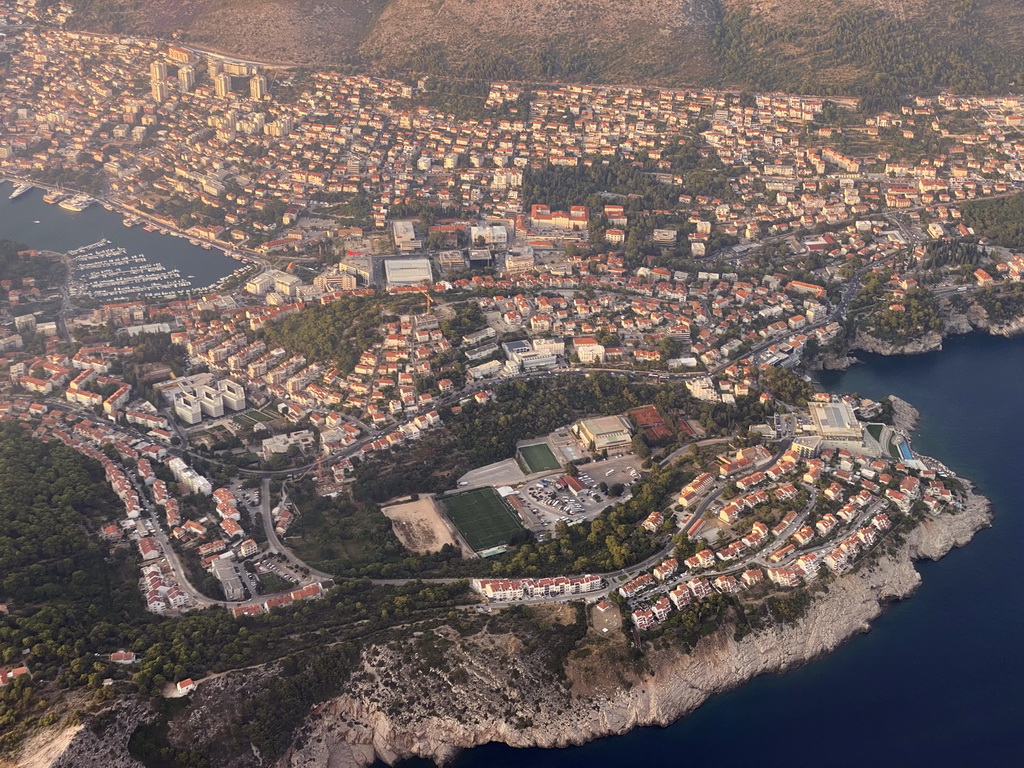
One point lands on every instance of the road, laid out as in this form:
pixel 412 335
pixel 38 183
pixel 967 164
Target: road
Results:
pixel 274 543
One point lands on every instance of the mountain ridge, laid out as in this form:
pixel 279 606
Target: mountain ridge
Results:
pixel 853 47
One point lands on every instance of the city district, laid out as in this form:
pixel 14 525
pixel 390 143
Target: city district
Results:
pixel 405 269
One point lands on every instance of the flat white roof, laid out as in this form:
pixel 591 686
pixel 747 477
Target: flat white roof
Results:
pixel 407 271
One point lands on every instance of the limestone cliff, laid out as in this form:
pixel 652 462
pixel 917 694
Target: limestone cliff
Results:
pixel 351 730
pixel 830 361
pixel 905 416
pixel 102 743
pixel 436 693
pixel 929 342
pixel 975 318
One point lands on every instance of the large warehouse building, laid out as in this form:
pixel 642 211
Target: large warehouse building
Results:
pixel 605 433
pixel 404 272
pixel 835 421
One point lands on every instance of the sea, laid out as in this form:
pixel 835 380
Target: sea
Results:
pixel 938 681
pixel 42 226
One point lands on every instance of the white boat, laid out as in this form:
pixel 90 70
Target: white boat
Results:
pixel 76 204
pixel 19 190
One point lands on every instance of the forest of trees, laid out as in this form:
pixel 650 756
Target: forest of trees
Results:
pixel 1001 220
pixel 786 386
pixel 940 254
pixel 71 601
pixel 337 333
pixel 919 315
pixel 47 272
pixel 869 52
pixel 560 188
pixel 50 500
pixel 1002 305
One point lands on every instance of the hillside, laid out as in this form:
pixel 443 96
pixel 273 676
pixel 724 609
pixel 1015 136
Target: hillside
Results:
pixel 839 46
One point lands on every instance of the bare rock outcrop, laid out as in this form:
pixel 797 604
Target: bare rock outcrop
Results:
pixel 348 732
pixel 103 743
pixel 934 538
pixel 905 416
pixel 929 342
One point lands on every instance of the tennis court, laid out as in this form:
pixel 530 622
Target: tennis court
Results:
pixel 483 518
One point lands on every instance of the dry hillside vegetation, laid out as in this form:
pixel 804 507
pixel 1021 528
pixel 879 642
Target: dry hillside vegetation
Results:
pixel 879 48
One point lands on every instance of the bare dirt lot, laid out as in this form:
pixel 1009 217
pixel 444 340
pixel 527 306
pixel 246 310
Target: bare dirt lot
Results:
pixel 419 526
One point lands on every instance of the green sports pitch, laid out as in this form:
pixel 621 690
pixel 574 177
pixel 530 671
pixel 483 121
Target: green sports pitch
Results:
pixel 482 517
pixel 538 458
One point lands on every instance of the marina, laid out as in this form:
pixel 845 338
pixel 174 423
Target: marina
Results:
pixel 132 261
pixel 103 271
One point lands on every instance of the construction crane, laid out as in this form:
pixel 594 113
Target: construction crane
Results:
pixel 426 291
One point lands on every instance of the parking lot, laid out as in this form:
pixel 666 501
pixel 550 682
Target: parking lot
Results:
pixel 549 500
pixel 282 569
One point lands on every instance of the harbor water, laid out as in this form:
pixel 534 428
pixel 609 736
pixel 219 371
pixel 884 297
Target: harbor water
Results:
pixel 42 226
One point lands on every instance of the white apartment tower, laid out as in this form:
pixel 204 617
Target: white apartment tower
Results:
pixel 187 78
pixel 158 71
pixel 222 85
pixel 258 87
pixel 159 90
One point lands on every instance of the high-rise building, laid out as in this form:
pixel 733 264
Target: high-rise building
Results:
pixel 158 71
pixel 159 90
pixel 186 78
pixel 280 127
pixel 222 85
pixel 258 87
pixel 180 55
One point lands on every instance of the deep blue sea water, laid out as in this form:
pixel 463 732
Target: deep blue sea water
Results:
pixel 61 230
pixel 939 680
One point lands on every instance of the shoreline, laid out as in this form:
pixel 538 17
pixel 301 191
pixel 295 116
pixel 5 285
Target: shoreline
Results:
pixel 383 724
pixel 246 259
pixel 358 731
pixel 348 732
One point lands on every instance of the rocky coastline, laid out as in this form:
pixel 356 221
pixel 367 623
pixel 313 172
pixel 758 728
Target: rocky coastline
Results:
pixel 500 696
pixel 955 322
pixel 504 700
pixel 348 733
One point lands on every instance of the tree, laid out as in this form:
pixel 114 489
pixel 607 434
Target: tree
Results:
pixel 640 447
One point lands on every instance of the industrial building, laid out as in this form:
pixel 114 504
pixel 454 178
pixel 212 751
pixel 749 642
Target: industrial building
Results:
pixel 406 272
pixel 604 433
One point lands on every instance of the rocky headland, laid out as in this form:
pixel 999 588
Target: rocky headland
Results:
pixel 956 320
pixel 491 688
pixel 348 732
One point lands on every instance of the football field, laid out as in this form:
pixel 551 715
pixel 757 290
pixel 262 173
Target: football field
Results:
pixel 482 516
pixel 538 458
